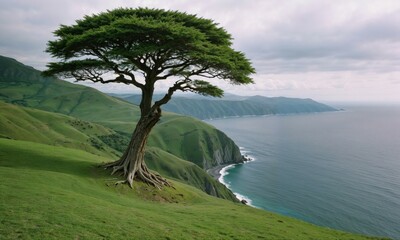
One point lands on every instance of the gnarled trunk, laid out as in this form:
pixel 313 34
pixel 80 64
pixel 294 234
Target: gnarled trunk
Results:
pixel 131 165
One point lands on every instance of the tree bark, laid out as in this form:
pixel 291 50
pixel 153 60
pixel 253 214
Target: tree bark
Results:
pixel 131 165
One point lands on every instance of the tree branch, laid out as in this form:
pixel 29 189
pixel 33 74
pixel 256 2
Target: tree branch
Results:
pixel 180 68
pixel 177 86
pixel 131 75
pixel 96 77
pixel 114 66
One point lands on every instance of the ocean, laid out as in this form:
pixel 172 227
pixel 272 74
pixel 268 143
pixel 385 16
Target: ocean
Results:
pixel 335 169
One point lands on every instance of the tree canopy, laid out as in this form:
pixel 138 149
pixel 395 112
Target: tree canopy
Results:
pixel 154 43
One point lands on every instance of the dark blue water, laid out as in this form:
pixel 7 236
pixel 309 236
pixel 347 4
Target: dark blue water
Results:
pixel 340 170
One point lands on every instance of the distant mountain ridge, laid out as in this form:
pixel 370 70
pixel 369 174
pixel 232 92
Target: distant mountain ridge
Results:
pixel 233 106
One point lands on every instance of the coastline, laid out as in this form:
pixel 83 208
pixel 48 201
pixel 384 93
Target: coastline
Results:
pixel 215 172
pixel 218 172
pixel 270 115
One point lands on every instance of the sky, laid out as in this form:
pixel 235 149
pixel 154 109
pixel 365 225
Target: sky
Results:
pixel 331 51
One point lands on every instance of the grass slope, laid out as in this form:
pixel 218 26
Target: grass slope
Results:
pixel 70 99
pixel 52 192
pixel 186 172
pixel 39 126
pixel 23 85
pixel 56 129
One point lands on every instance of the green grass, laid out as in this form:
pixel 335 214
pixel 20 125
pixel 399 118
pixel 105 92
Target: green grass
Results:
pixel 56 129
pixel 54 95
pixel 186 172
pixel 52 192
pixel 39 126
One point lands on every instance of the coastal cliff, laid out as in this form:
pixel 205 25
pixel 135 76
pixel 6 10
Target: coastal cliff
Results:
pixel 204 145
pixel 228 153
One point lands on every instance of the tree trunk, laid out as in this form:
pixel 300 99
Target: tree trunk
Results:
pixel 131 165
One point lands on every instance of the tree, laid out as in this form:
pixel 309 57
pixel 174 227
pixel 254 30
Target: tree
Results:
pixel 140 47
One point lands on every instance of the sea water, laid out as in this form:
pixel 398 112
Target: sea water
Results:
pixel 336 169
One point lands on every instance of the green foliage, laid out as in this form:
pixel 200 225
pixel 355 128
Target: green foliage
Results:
pixel 154 42
pixel 57 193
pixel 206 89
pixel 117 141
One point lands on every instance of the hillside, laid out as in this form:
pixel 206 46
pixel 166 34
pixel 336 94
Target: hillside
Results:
pixel 189 138
pixel 24 86
pixel 232 105
pixel 53 95
pixel 87 104
pixel 50 192
pixel 59 130
pixel 54 129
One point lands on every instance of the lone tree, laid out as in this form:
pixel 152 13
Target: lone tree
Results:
pixel 140 47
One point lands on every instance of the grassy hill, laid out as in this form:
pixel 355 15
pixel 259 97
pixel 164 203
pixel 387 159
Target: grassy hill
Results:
pixel 23 85
pixel 59 130
pixel 50 192
pixel 21 123
pixel 102 125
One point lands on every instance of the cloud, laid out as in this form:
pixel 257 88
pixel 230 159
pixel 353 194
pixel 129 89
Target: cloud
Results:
pixel 294 45
pixel 326 36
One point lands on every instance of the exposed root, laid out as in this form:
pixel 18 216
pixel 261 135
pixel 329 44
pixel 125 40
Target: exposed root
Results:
pixel 141 173
pixel 119 182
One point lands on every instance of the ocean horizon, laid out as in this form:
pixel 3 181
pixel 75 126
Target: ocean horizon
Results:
pixel 335 169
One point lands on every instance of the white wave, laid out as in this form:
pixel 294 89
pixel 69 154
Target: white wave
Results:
pixel 239 196
pixel 246 154
pixel 224 172
pixel 242 197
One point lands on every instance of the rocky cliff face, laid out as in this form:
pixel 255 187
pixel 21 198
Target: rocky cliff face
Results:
pixel 203 145
pixel 228 153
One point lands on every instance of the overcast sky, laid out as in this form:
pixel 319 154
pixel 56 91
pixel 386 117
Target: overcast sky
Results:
pixel 336 50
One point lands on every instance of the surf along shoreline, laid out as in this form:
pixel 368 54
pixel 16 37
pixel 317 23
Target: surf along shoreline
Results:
pixel 220 171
